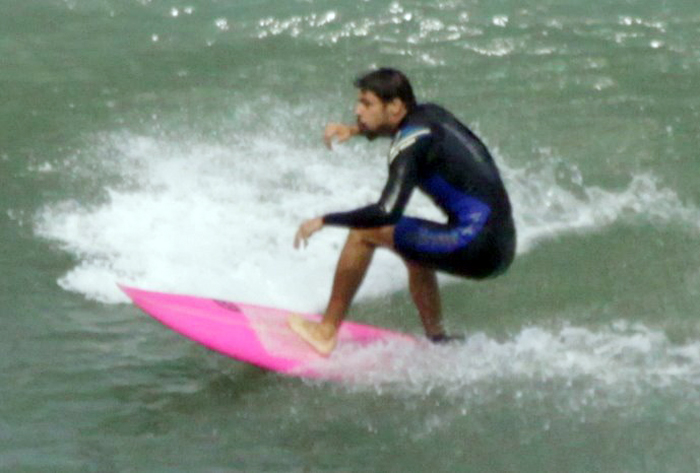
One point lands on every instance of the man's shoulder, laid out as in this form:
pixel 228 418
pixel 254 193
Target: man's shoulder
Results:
pixel 412 131
pixel 428 115
pixel 420 121
pixel 429 111
pixel 417 124
pixel 435 117
pixel 406 137
pixel 420 124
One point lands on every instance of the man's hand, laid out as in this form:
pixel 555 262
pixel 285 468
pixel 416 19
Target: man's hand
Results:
pixel 306 229
pixel 340 132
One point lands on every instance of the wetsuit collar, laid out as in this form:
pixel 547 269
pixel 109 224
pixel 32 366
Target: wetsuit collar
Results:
pixel 404 120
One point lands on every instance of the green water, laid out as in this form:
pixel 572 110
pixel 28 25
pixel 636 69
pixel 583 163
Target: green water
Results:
pixel 176 146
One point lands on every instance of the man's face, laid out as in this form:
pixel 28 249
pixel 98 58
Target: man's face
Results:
pixel 373 117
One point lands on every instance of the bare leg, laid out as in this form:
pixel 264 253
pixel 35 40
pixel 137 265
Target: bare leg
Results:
pixel 422 282
pixel 349 274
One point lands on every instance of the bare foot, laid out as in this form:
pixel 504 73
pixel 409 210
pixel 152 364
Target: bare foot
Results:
pixel 313 333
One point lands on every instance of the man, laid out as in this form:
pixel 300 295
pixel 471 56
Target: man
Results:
pixel 433 151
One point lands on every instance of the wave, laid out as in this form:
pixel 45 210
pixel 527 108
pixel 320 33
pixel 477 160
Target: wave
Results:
pixel 576 367
pixel 217 217
pixel 551 198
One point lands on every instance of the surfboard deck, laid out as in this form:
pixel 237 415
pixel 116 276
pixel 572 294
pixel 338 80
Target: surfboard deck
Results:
pixel 253 334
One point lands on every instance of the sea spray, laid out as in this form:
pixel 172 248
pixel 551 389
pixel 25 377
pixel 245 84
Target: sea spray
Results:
pixel 217 218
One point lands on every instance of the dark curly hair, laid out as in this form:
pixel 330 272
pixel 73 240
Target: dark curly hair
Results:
pixel 388 84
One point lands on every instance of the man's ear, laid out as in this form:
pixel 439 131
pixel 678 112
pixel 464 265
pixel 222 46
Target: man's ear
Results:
pixel 396 106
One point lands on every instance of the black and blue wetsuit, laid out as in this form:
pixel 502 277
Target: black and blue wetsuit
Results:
pixel 433 151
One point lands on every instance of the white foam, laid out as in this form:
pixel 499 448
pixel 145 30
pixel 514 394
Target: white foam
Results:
pixel 553 199
pixel 217 218
pixel 607 364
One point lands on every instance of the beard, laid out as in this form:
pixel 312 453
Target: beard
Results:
pixel 384 130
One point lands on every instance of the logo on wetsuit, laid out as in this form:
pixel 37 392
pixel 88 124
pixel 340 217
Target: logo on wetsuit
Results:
pixel 406 138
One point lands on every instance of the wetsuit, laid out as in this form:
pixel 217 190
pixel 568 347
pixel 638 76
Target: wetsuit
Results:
pixel 433 151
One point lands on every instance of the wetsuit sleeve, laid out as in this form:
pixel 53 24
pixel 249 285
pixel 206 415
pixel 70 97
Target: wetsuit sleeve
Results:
pixel 403 177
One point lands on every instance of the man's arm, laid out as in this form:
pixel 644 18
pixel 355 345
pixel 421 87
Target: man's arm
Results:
pixel 397 191
pixel 306 229
pixel 403 177
pixel 341 133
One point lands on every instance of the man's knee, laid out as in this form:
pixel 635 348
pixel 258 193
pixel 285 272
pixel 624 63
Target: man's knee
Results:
pixel 378 236
pixel 415 267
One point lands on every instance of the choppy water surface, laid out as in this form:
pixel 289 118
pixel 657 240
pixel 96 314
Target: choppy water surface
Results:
pixel 176 146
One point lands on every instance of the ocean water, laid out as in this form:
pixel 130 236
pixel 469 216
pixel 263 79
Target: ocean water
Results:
pixel 175 145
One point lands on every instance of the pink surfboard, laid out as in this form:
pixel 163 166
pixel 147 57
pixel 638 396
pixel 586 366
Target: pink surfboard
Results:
pixel 253 334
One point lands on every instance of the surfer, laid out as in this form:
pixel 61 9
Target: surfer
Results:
pixel 432 151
